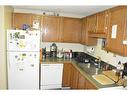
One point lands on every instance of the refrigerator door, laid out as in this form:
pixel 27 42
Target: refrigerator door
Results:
pixel 23 70
pixel 20 40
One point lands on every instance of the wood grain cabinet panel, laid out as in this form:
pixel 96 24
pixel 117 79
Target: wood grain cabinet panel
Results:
pixel 51 29
pixel 71 30
pixel 81 81
pixel 66 82
pixel 19 19
pixel 102 22
pixel 91 23
pixel 119 19
pixel 74 78
pixel 85 38
pixel 89 85
pixel 35 18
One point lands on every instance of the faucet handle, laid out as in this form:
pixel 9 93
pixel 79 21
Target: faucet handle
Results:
pixel 98 59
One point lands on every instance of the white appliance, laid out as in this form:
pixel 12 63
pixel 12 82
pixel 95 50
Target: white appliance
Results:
pixel 23 59
pixel 51 76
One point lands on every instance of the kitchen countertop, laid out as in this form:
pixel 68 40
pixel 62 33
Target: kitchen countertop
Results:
pixel 81 67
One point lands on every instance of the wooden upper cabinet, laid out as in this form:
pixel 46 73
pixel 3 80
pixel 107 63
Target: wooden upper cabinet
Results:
pixel 91 23
pixel 51 28
pixel 101 22
pixel 71 30
pixel 84 33
pixel 85 38
pixel 98 24
pixel 35 19
pixel 117 31
pixel 19 19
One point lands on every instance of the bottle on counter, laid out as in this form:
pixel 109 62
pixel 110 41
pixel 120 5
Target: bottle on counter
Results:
pixel 40 54
pixel 119 68
pixel 44 53
pixel 70 53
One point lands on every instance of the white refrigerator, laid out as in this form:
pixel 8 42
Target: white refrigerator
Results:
pixel 23 59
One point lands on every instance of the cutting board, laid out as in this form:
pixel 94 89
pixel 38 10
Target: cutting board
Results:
pixel 102 79
pixel 112 76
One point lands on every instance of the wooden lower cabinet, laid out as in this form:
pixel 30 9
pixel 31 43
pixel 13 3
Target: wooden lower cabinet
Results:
pixel 81 81
pixel 66 75
pixel 89 85
pixel 74 79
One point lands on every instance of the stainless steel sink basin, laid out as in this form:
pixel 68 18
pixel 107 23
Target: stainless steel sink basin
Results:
pixel 96 73
pixel 89 68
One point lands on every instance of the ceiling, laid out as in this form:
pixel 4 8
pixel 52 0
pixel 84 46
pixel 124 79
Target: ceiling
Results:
pixel 76 10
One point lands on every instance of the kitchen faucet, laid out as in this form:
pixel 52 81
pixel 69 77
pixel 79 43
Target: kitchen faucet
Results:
pixel 98 61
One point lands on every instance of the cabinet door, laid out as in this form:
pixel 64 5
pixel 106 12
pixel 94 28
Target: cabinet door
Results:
pixel 19 19
pixel 91 23
pixel 89 85
pixel 35 19
pixel 74 78
pixel 81 81
pixel 51 28
pixel 117 29
pixel 71 30
pixel 101 26
pixel 66 75
pixel 85 38
pixel 84 33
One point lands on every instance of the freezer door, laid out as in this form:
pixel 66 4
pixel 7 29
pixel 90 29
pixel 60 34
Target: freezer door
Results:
pixel 23 70
pixel 20 40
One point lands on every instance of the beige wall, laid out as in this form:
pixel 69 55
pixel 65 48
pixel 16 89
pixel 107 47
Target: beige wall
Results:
pixel 5 23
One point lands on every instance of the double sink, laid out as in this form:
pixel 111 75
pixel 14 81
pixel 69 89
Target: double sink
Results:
pixel 96 73
pixel 90 68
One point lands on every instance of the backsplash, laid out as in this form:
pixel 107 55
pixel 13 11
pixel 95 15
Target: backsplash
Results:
pixel 66 46
pixel 106 57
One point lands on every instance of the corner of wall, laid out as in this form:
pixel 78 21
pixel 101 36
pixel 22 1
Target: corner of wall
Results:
pixel 5 14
